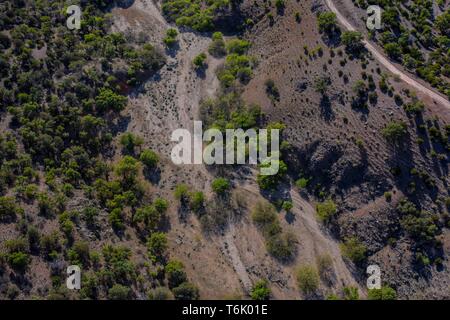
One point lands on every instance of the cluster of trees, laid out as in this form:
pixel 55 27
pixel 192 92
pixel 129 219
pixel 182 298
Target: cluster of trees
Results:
pixel 230 111
pixel 217 48
pixel 281 245
pixel 326 210
pixel 422 227
pixel 171 37
pixel 196 14
pixel 58 142
pixel 238 65
pixel 414 35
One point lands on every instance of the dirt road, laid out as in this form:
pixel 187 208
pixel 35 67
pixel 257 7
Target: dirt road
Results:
pixel 387 64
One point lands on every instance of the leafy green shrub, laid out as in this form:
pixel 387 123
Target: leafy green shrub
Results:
pixel 351 293
pixel 352 41
pixel 421 226
pixel 287 206
pixel 385 293
pixel 90 214
pixel 415 107
pixel 327 22
pixel 237 46
pixel 19 261
pixel 50 244
pixel 159 293
pixel 280 245
pixel 149 158
pixel 119 292
pixel 182 192
pixel 280 5
pixel 221 186
pixel 186 291
pixel 324 265
pixel 197 201
pixel 326 210
pixel 302 183
pixel 395 132
pixel 79 254
pixel 130 141
pixel 161 205
pixel 196 14
pixel 116 218
pixel 8 209
pixel 175 273
pixel 89 286
pixel 127 169
pixel 171 37
pixel 271 89
pixel 353 249
pixel 107 100
pixel 269 182
pixel 200 61
pixel 388 196
pixel 307 279
pixel 260 291
pixel 118 264
pixel 264 215
pixel 217 48
pixel 157 244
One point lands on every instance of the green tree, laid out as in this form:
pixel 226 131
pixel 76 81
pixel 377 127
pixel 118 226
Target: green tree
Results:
pixel 149 158
pixel 8 208
pixel 119 292
pixel 385 293
pixel 261 290
pixel 326 210
pixel 352 41
pixel 307 279
pixel 217 47
pixel 130 141
pixel 157 244
pixel 395 132
pixel 175 273
pixel 351 293
pixel 127 169
pixel 200 61
pixel 221 186
pixel 171 37
pixel 327 22
pixel 353 249
pixel 186 291
pixel 108 100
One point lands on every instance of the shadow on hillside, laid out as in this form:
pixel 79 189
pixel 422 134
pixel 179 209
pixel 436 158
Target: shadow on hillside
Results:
pixel 325 108
pixel 124 4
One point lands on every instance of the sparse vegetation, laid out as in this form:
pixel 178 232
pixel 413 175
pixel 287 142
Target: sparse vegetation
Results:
pixel 307 279
pixel 326 210
pixel 395 132
pixel 171 38
pixel 221 186
pixel 200 61
pixel 354 250
pixel 280 244
pixel 260 291
pixel 385 293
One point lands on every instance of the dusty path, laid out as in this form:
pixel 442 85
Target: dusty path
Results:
pixel 387 64
pixel 314 241
pixel 235 258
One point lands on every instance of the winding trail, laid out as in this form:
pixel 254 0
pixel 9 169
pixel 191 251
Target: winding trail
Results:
pixel 316 241
pixel 387 64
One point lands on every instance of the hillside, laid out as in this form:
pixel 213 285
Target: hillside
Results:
pixel 85 150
